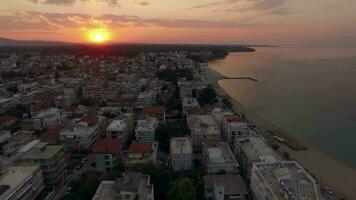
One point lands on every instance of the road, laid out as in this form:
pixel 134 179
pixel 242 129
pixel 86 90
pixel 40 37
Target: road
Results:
pixel 75 175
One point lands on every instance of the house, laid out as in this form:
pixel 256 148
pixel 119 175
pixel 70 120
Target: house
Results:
pixel 145 128
pixel 134 185
pixel 225 187
pixel 106 151
pixel 181 153
pixel 157 112
pixel 52 160
pixel 81 134
pixel 21 182
pixel 282 180
pixel 202 127
pixel 219 158
pixel 142 152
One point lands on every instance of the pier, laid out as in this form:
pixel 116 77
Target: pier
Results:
pixel 239 78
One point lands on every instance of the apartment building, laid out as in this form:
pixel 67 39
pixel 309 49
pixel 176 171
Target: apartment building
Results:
pixel 181 153
pixel 21 182
pixel 145 128
pixel 107 152
pixel 142 152
pixel 51 159
pixel 132 186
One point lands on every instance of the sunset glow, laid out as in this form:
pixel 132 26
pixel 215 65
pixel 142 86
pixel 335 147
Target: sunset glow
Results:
pixel 99 36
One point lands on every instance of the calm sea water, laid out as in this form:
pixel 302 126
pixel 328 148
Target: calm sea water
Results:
pixel 310 92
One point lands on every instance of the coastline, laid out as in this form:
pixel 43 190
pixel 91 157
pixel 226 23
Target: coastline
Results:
pixel 327 170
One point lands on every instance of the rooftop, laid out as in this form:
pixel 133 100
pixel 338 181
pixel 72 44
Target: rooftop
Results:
pixel 220 153
pixel 116 125
pixel 42 151
pixel 107 146
pixel 141 147
pixel 181 145
pixel 14 177
pixel 256 149
pixel 288 178
pixel 232 183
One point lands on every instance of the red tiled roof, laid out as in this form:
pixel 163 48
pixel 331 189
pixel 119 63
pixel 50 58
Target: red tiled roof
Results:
pixel 153 110
pixel 52 135
pixel 90 119
pixel 140 147
pixel 4 119
pixel 235 118
pixel 107 146
pixel 195 111
pixel 212 142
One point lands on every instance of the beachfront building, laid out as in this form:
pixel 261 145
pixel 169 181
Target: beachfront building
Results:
pixel 132 186
pixel 282 180
pixel 145 128
pixel 21 182
pixel 219 158
pixel 142 153
pixel 181 152
pixel 252 149
pixel 185 88
pixel 51 159
pixel 107 152
pixel 202 127
pixel 81 134
pixel 233 126
pixel 225 187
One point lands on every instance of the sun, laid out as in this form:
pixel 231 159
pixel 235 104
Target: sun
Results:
pixel 99 36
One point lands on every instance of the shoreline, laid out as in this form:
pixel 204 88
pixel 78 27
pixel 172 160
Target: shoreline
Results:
pixel 327 170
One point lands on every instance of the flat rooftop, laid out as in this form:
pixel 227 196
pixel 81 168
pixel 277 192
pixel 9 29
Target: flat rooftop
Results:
pixel 181 145
pixel 221 153
pixel 256 149
pixel 14 177
pixel 288 178
pixel 42 152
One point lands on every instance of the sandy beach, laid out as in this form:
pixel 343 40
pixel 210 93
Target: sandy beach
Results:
pixel 328 171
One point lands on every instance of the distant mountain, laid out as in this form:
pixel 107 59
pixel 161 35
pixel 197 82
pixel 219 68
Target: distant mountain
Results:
pixel 4 42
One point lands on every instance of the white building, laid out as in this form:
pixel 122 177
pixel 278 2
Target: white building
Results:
pixel 48 118
pixel 133 185
pixel 202 127
pixel 119 128
pixel 21 182
pixel 225 187
pixel 185 88
pixel 80 135
pixel 282 180
pixel 252 149
pixel 145 129
pixel 181 152
pixel 219 158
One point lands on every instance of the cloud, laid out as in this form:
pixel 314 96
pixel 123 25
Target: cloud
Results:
pixel 22 20
pixel 145 3
pixel 263 5
pixel 218 3
pixel 69 2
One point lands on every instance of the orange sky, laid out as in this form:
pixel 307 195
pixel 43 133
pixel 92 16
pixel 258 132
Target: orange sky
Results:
pixel 184 21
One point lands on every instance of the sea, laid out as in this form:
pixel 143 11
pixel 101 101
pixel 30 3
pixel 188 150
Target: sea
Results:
pixel 308 91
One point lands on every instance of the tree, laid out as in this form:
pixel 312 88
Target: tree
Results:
pixel 12 89
pixel 208 96
pixel 182 189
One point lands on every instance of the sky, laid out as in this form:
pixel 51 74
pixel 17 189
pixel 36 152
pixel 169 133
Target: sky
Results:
pixel 278 22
